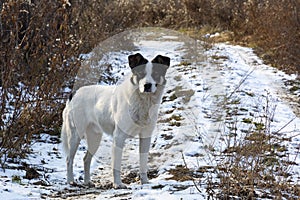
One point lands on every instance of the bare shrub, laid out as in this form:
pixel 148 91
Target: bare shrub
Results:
pixel 272 27
pixel 276 29
pixel 38 61
pixel 256 163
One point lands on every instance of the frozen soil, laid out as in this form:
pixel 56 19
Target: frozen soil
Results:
pixel 209 87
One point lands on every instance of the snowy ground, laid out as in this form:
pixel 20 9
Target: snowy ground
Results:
pixel 192 120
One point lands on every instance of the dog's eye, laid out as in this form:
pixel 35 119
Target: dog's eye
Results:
pixel 140 74
pixel 156 75
pixel 136 72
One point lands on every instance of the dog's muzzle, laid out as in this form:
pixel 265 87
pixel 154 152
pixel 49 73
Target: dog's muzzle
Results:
pixel 147 87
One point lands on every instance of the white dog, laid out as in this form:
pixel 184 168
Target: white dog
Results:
pixel 125 110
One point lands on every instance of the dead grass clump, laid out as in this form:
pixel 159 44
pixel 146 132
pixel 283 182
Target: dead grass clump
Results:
pixel 182 173
pixel 256 162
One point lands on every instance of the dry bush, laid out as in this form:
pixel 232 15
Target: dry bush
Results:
pixel 38 61
pixel 278 33
pixel 256 166
pixel 254 161
pixel 272 27
pixel 98 20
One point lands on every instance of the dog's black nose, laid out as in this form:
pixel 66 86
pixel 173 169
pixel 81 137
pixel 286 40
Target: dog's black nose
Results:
pixel 147 87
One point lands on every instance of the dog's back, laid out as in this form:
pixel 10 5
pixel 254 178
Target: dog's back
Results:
pixel 83 110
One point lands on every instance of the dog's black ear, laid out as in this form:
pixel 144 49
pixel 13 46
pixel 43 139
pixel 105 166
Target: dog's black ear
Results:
pixel 162 60
pixel 136 60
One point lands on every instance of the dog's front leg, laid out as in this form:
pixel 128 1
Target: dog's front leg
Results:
pixel 144 151
pixel 119 141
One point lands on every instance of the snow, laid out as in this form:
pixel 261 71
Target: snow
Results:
pixel 190 120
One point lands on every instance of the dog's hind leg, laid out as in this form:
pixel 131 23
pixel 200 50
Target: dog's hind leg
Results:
pixel 93 138
pixel 73 142
pixel 144 151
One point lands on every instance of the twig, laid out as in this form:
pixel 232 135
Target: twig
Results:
pixel 184 162
pixel 224 103
pixel 285 125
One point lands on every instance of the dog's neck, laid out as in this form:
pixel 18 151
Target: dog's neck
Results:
pixel 143 108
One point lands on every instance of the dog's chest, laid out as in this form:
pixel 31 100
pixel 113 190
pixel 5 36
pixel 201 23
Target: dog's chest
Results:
pixel 143 111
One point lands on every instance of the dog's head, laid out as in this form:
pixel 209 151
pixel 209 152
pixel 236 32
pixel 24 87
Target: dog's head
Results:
pixel 148 75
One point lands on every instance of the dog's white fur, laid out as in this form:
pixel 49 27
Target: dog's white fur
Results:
pixel 122 111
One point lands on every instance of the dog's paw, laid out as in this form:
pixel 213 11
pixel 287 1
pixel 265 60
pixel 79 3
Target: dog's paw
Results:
pixel 90 184
pixel 74 184
pixel 145 182
pixel 120 186
pixel 144 178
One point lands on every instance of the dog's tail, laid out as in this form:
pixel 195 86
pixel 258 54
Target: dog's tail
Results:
pixel 66 127
pixel 64 132
pixel 64 138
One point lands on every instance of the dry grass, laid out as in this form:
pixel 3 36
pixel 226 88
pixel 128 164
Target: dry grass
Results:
pixel 255 161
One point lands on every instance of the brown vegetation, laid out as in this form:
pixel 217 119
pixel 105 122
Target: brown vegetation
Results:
pixel 38 47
